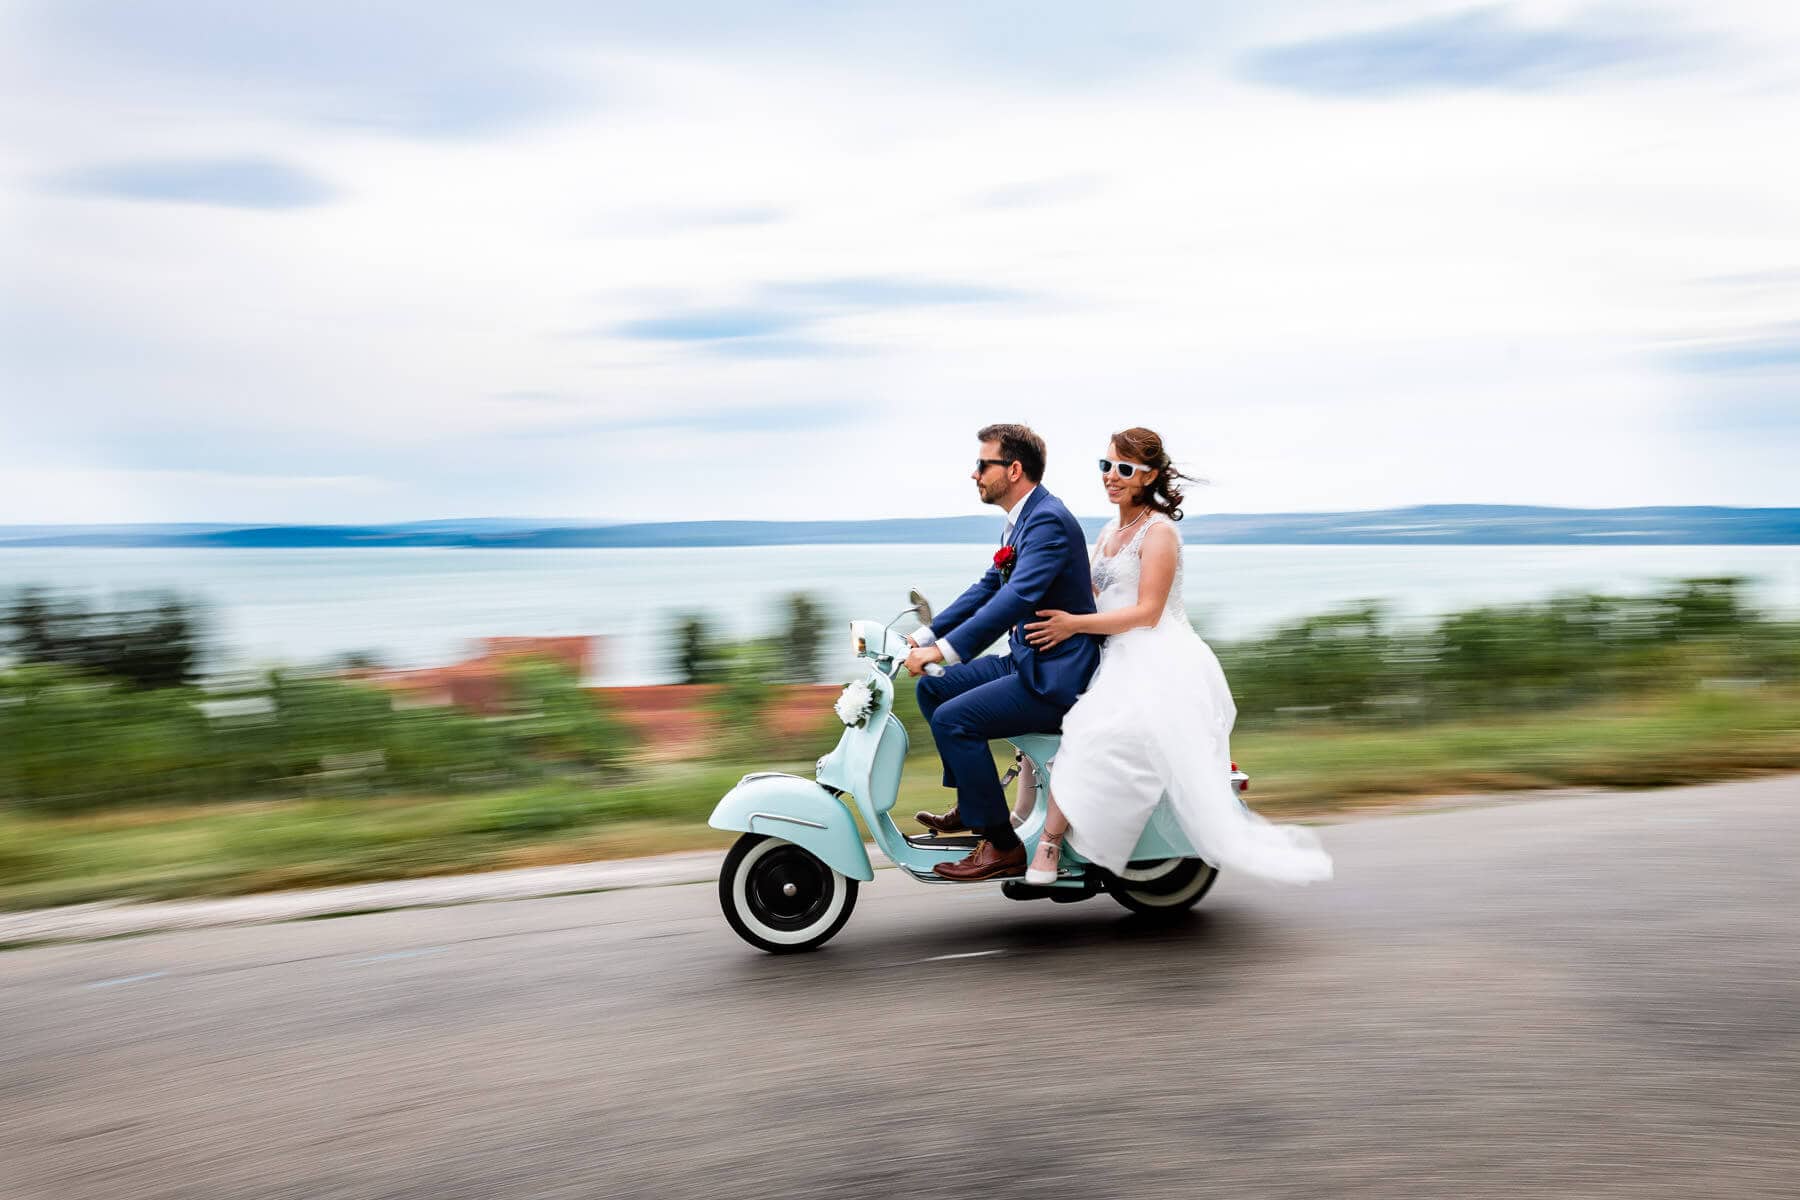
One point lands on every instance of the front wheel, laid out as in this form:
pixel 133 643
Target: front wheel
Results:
pixel 1163 887
pixel 782 898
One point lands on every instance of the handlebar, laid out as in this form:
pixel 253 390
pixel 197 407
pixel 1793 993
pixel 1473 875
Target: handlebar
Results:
pixel 889 648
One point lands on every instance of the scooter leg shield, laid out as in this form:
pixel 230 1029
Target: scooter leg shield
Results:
pixel 797 810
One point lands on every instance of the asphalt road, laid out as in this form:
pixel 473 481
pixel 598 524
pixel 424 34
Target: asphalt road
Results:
pixel 1586 997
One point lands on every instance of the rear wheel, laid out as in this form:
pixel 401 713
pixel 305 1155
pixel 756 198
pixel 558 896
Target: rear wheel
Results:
pixel 782 898
pixel 1162 887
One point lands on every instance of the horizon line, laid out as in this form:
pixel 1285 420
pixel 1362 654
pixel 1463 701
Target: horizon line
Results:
pixel 614 523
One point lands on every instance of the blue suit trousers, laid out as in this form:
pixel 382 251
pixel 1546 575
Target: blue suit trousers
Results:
pixel 968 706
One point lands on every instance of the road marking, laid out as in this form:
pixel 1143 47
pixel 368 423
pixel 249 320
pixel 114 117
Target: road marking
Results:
pixel 100 983
pixel 399 954
pixel 968 954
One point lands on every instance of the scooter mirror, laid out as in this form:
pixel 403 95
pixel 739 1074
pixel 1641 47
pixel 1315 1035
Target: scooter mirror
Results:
pixel 921 605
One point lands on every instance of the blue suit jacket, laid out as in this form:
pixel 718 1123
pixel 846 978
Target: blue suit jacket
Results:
pixel 1050 571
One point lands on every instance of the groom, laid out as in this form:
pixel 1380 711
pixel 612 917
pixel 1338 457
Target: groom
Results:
pixel 1042 563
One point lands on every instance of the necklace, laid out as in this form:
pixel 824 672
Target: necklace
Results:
pixel 1121 529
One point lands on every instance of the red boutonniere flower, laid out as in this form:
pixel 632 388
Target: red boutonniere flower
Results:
pixel 1004 558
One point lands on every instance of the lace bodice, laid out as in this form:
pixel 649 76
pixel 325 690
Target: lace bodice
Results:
pixel 1116 577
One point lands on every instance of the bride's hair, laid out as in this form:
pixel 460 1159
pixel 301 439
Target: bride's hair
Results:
pixel 1146 446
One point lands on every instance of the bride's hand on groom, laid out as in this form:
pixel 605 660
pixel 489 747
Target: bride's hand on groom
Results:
pixel 1055 627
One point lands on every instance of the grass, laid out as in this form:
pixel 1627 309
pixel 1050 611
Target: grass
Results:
pixel 1301 770
pixel 221 850
pixel 1663 741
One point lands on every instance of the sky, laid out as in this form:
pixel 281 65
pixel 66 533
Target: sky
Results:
pixel 345 261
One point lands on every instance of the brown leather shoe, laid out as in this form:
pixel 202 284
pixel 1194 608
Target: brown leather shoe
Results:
pixel 984 862
pixel 950 822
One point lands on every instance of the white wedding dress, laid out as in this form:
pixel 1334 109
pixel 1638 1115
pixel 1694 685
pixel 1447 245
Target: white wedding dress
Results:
pixel 1156 718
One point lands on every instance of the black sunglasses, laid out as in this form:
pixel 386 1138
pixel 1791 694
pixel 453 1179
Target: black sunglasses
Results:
pixel 1126 469
pixel 982 464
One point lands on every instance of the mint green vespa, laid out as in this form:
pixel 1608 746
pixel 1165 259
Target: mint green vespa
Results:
pixel 789 883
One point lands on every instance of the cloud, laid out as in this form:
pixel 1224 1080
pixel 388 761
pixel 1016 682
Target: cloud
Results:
pixel 458 68
pixel 1769 416
pixel 770 418
pixel 1295 292
pixel 1776 352
pixel 257 183
pixel 666 220
pixel 1771 278
pixel 712 325
pixel 1740 390
pixel 533 396
pixel 1482 48
pixel 423 69
pixel 777 347
pixel 255 482
pixel 779 327
pixel 779 417
pixel 1041 193
pixel 876 292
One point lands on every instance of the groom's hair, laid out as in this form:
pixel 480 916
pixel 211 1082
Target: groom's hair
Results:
pixel 1017 444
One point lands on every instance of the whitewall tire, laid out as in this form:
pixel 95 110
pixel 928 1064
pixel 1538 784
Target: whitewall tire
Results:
pixel 781 897
pixel 1162 888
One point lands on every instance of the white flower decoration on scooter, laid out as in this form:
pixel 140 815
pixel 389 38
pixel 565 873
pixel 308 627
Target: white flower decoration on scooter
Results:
pixel 856 704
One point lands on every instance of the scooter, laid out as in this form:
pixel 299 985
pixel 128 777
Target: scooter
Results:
pixel 790 882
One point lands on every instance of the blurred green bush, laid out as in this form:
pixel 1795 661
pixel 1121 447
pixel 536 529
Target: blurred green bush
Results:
pixel 154 645
pixel 1361 665
pixel 75 736
pixel 73 740
pixel 694 650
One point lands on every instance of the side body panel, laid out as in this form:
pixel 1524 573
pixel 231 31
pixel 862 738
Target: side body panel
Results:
pixel 884 771
pixel 796 810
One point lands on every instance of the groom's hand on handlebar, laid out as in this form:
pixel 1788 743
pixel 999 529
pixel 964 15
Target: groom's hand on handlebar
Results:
pixel 921 657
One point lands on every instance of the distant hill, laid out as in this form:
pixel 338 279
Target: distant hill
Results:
pixel 1427 525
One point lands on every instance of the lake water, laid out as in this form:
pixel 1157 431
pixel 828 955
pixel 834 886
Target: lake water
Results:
pixel 420 606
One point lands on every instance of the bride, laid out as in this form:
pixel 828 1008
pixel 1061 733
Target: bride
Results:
pixel 1157 715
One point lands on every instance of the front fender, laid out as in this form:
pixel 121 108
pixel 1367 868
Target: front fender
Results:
pixel 796 810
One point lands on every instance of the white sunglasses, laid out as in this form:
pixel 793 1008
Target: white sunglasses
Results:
pixel 1126 469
